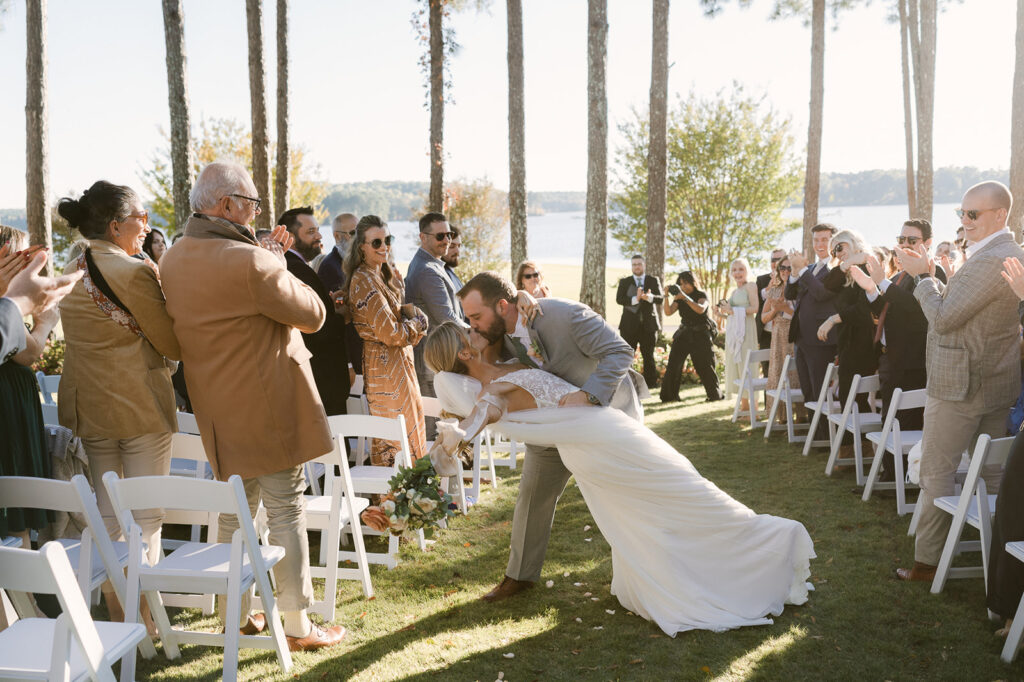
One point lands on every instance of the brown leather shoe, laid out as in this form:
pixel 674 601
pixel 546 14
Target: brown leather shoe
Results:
pixel 508 587
pixel 256 624
pixel 318 638
pixel 919 573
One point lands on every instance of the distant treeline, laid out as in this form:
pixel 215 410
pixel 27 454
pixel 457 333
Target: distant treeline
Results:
pixel 396 200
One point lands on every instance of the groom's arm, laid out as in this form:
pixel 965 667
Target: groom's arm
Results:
pixel 597 339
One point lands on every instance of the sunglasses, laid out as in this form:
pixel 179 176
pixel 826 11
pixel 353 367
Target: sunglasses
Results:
pixel 971 214
pixel 441 236
pixel 785 268
pixel 838 249
pixel 144 217
pixel 907 240
pixel 534 275
pixel 376 243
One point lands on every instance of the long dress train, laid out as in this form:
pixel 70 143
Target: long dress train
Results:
pixel 684 554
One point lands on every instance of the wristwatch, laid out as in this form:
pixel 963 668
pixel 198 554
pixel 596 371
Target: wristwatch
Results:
pixel 918 278
pixel 592 399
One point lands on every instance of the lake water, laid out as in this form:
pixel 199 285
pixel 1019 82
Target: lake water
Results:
pixel 559 237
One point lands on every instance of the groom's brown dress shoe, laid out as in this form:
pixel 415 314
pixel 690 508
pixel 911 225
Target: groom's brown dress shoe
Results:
pixel 506 589
pixel 318 638
pixel 919 573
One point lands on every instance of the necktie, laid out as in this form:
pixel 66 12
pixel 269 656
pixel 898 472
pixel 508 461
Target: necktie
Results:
pixel 521 352
pixel 818 266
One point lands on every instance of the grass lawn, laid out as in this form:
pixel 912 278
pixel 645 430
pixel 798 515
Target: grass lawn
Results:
pixel 861 623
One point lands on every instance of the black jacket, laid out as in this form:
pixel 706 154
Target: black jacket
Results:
pixel 643 316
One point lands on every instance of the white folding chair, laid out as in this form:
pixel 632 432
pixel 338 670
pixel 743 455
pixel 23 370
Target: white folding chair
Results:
pixel 785 394
pixel 495 443
pixel 432 408
pixel 1013 639
pixel 360 449
pixel 332 513
pixel 826 404
pixel 72 647
pixel 94 557
pixel 851 420
pixel 368 479
pixel 974 506
pixel 356 389
pixel 48 385
pixel 50 414
pixel 750 383
pixel 894 441
pixel 231 568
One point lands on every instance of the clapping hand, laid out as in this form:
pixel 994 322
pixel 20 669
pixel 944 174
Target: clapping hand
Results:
pixel 527 306
pixel 647 295
pixel 915 261
pixel 11 263
pixel 875 269
pixel 1013 273
pixel 279 241
pixel 798 261
pixel 864 280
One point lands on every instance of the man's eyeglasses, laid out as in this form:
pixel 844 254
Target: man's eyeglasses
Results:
pixel 901 240
pixel 256 201
pixel 441 236
pixel 972 214
pixel 532 275
pixel 376 243
pixel 351 233
pixel 144 217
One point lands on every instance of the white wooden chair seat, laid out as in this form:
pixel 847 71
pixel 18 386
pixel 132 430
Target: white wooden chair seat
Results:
pixel 795 393
pixel 948 505
pixel 749 384
pixel 213 560
pixel 372 479
pixel 25 652
pixel 785 395
pixel 321 505
pixel 833 405
pixel 73 548
pixel 907 440
pixel 851 420
pixel 861 420
pixel 826 403
pixel 758 384
pixel 1010 649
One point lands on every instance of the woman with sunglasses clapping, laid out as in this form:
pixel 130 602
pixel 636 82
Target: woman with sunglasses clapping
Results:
pixel 389 330
pixel 530 279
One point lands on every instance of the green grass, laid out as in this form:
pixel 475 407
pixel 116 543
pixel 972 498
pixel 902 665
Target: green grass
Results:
pixel 427 621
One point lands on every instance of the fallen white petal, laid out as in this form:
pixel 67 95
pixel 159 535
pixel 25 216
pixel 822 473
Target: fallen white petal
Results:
pixel 509 655
pixel 566 574
pixel 595 599
pixel 587 594
pixel 579 620
pixel 586 527
pixel 587 539
pixel 550 583
pixel 610 612
pixel 599 627
pixel 577 584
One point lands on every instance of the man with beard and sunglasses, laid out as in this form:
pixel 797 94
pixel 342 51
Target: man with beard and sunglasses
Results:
pixel 973 359
pixel 330 360
pixel 428 287
pixel 573 342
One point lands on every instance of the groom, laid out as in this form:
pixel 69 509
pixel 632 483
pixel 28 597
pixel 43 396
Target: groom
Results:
pixel 571 341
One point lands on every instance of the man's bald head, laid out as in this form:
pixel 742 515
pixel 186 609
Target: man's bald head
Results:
pixel 996 194
pixel 984 210
pixel 344 224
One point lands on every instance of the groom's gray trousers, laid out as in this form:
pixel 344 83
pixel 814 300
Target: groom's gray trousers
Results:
pixel 542 482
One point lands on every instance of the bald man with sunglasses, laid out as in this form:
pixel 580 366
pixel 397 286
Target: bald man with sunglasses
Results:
pixel 973 358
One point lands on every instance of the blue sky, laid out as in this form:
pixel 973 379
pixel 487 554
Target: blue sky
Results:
pixel 357 92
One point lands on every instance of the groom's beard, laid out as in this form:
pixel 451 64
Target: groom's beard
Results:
pixel 495 331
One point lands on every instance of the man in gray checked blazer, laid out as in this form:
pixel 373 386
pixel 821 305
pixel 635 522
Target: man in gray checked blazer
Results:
pixel 428 287
pixel 973 359
pixel 571 341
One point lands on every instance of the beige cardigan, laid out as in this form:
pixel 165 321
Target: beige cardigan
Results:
pixel 115 383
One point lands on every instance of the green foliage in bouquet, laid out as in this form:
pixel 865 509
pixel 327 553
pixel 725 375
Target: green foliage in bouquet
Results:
pixel 416 500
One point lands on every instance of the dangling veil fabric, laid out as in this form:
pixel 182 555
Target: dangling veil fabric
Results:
pixel 684 554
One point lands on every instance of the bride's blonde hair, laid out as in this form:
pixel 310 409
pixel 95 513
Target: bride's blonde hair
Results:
pixel 441 348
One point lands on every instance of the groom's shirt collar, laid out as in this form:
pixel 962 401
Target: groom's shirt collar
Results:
pixel 523 334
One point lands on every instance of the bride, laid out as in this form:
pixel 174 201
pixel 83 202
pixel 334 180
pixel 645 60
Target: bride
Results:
pixel 684 554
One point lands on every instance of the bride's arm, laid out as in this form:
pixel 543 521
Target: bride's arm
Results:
pixel 491 405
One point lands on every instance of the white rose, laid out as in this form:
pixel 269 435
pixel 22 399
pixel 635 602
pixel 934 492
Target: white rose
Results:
pixel 388 507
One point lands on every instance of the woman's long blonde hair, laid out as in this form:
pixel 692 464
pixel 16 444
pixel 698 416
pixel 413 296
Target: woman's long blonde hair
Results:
pixel 855 241
pixel 441 348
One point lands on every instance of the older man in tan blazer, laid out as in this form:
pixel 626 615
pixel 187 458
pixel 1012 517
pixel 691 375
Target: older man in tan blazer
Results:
pixel 237 313
pixel 973 359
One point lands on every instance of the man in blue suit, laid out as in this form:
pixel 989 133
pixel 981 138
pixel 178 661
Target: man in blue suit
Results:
pixel 428 287
pixel 814 305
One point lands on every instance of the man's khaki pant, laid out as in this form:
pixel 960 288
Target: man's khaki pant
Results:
pixel 148 455
pixel 281 493
pixel 950 427
pixel 542 482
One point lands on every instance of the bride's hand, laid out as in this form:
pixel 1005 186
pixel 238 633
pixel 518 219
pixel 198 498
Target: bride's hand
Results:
pixel 528 306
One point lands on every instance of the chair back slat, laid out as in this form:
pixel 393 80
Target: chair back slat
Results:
pixel 187 423
pixel 38 493
pixel 368 426
pixel 171 492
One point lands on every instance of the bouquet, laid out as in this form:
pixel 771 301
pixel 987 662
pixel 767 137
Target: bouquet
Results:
pixel 415 502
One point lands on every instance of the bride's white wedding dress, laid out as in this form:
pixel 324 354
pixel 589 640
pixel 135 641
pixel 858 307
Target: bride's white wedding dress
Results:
pixel 684 554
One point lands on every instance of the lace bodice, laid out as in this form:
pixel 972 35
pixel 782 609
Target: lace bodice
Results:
pixel 545 387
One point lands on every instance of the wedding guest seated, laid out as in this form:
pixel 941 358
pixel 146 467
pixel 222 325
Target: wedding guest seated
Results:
pixel 115 393
pixel 389 330
pixel 238 314
pixel 23 450
pixel 778 314
pixel 530 279
pixel 693 338
pixel 738 311
pixel 155 245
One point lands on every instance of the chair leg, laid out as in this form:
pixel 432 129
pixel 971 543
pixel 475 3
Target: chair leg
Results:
pixel 392 551
pixel 815 418
pixel 876 468
pixel 1009 654
pixel 233 611
pixel 949 550
pixel 273 617
pixel 771 415
pixel 914 518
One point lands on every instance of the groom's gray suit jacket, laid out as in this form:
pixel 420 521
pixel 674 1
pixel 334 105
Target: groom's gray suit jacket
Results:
pixel 579 346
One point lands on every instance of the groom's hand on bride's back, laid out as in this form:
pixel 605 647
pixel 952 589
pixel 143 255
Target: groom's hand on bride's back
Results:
pixel 575 399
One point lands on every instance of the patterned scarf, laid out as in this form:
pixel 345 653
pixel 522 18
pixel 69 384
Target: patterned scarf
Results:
pixel 104 297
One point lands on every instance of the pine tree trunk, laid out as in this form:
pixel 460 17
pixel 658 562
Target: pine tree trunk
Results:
pixel 908 113
pixel 516 135
pixel 436 16
pixel 282 189
pixel 812 179
pixel 595 248
pixel 926 108
pixel 37 170
pixel 657 155
pixel 1017 131
pixel 177 100
pixel 258 103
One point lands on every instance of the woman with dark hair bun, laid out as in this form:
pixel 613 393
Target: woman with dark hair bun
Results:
pixel 155 246
pixel 116 390
pixel 693 338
